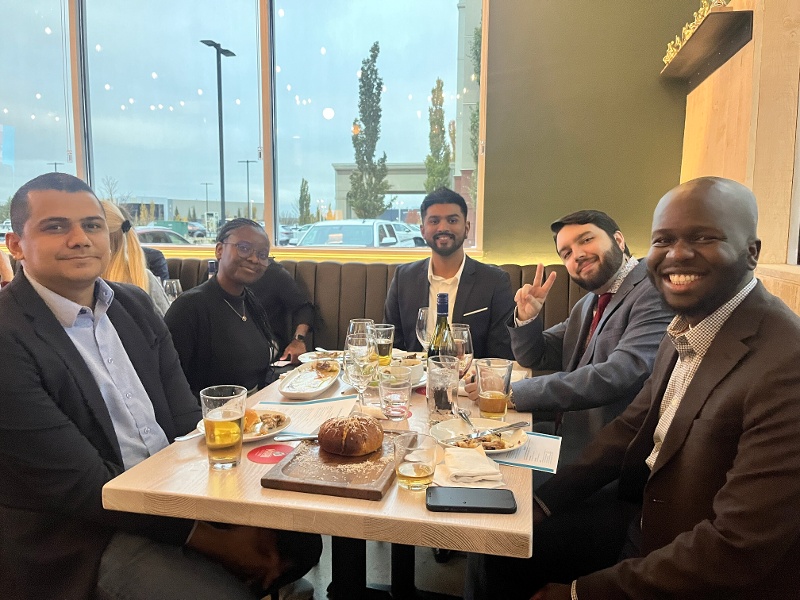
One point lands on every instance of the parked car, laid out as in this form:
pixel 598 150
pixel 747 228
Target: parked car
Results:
pixel 5 227
pixel 160 235
pixel 285 234
pixel 297 233
pixel 197 230
pixel 365 233
pixel 409 232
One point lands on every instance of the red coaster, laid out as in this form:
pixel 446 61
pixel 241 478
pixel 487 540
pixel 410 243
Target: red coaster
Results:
pixel 269 454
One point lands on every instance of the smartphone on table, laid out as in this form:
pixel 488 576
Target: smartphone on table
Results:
pixel 477 500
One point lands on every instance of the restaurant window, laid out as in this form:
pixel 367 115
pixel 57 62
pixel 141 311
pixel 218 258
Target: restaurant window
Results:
pixel 36 129
pixel 153 91
pixel 355 82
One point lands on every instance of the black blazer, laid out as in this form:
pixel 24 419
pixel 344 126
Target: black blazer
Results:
pixel 58 447
pixel 480 287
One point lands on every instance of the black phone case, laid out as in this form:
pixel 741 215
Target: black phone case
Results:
pixel 477 500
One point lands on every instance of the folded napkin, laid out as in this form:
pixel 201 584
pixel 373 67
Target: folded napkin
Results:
pixel 372 411
pixel 468 467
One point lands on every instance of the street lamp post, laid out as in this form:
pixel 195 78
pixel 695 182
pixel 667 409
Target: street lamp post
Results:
pixel 247 164
pixel 220 53
pixel 206 215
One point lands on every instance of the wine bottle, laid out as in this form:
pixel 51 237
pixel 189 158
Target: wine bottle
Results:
pixel 442 343
pixel 212 268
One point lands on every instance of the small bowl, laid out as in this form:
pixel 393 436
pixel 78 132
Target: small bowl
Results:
pixel 416 365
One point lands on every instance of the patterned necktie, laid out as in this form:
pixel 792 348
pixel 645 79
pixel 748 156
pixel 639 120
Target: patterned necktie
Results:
pixel 602 302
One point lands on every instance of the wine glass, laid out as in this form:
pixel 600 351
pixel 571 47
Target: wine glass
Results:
pixel 423 333
pixel 172 288
pixel 361 361
pixel 359 325
pixel 462 337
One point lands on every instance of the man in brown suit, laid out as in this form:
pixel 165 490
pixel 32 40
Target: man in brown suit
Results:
pixel 707 456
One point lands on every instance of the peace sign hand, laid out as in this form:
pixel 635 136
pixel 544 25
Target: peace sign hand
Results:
pixel 531 296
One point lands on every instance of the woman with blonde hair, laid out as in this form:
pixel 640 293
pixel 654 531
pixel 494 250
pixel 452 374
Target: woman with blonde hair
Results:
pixel 127 264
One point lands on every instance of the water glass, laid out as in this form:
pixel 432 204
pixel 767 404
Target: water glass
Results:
pixel 395 390
pixel 223 419
pixel 462 337
pixel 493 376
pixel 361 360
pixel 359 325
pixel 173 289
pixel 383 334
pixel 415 460
pixel 442 388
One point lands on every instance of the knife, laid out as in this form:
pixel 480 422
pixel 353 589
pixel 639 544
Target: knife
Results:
pixel 294 437
pixel 477 434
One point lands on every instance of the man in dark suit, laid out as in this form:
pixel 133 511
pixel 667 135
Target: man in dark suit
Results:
pixel 91 386
pixel 480 295
pixel 603 353
pixel 707 456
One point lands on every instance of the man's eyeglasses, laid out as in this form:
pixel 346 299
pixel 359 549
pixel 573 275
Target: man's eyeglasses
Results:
pixel 246 250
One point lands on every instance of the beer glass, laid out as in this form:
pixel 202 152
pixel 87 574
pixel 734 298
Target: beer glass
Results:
pixel 223 419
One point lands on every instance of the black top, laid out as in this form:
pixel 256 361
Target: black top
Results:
pixel 215 345
pixel 286 304
pixel 156 262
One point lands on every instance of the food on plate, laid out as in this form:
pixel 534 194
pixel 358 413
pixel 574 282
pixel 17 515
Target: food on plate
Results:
pixel 313 376
pixel 489 442
pixel 262 424
pixel 355 435
pixel 325 368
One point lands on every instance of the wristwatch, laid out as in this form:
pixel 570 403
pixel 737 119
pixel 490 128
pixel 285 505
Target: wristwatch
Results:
pixel 300 338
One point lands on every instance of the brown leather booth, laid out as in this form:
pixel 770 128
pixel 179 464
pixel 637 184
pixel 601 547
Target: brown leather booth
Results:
pixel 344 291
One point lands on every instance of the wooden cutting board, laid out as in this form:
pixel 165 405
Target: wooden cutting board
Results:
pixel 310 469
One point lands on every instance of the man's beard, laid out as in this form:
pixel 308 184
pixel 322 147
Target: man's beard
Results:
pixel 610 263
pixel 448 251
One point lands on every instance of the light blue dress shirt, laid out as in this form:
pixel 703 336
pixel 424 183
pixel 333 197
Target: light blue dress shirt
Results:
pixel 138 433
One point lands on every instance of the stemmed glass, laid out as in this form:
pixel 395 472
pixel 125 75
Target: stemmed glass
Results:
pixel 361 361
pixel 172 288
pixel 423 333
pixel 462 337
pixel 359 325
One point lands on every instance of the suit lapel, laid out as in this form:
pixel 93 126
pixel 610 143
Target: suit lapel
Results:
pixel 52 334
pixel 465 285
pixel 725 352
pixel 575 336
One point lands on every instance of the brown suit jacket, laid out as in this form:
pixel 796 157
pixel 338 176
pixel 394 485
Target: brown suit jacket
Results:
pixel 721 508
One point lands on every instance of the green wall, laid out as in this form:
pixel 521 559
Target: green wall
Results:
pixel 578 117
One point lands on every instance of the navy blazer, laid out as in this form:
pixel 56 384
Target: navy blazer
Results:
pixel 58 447
pixel 719 510
pixel 480 287
pixel 591 387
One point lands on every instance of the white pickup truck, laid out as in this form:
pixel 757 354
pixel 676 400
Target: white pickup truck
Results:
pixel 5 227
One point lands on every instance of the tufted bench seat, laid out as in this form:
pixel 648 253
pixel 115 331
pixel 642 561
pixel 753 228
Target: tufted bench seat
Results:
pixel 344 291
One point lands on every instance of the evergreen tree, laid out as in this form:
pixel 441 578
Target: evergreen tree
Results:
pixel 368 185
pixel 177 216
pixel 474 117
pixel 304 204
pixel 437 163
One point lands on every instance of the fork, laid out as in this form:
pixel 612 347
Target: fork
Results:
pixel 465 416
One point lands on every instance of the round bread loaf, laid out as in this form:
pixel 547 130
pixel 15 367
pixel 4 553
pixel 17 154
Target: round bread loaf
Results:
pixel 355 435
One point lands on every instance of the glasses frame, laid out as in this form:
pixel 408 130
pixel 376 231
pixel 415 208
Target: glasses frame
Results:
pixel 246 250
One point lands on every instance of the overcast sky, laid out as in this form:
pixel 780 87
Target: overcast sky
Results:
pixel 153 89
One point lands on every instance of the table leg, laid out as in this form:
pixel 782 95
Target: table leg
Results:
pixel 403 572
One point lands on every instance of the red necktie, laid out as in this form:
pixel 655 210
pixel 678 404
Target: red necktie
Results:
pixel 602 302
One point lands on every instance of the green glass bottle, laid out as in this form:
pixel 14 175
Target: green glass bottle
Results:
pixel 442 343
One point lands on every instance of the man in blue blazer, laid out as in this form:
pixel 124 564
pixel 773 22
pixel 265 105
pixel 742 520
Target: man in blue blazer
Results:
pixel 91 386
pixel 480 295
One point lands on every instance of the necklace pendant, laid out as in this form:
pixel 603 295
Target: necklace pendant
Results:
pixel 244 317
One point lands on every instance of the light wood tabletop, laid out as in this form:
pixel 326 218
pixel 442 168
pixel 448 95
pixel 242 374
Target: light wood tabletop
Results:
pixel 177 482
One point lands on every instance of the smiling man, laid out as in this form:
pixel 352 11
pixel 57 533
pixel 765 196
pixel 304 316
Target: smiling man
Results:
pixel 92 386
pixel 604 351
pixel 707 456
pixel 480 295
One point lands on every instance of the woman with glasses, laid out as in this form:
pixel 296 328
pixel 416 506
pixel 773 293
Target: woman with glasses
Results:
pixel 219 328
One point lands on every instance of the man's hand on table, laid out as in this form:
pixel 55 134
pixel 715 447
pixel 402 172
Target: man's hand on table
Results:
pixel 249 552
pixel 293 351
pixel 553 591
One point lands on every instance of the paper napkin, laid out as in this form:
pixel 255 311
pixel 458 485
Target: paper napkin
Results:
pixel 468 467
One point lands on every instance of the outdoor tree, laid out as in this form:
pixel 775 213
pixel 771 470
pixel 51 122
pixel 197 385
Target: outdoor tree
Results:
pixel 451 130
pixel 474 117
pixel 109 187
pixel 368 184
pixel 437 163
pixel 177 215
pixel 304 203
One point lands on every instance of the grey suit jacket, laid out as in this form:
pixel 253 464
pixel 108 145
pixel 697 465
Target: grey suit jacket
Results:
pixel 720 514
pixel 58 447
pixel 480 287
pixel 594 386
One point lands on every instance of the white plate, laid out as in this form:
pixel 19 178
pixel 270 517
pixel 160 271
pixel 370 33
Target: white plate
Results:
pixel 254 437
pixel 305 381
pixel 414 384
pixel 445 430
pixel 307 357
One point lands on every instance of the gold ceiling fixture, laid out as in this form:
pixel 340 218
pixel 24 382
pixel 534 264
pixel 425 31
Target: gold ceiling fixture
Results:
pixel 688 29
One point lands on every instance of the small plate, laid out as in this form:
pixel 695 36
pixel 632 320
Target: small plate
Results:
pixel 450 429
pixel 307 381
pixel 414 384
pixel 308 357
pixel 254 437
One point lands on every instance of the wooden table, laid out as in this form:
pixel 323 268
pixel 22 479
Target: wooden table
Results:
pixel 177 482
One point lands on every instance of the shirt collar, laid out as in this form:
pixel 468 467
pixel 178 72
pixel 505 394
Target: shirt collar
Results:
pixel 623 272
pixel 456 277
pixel 699 337
pixel 67 311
